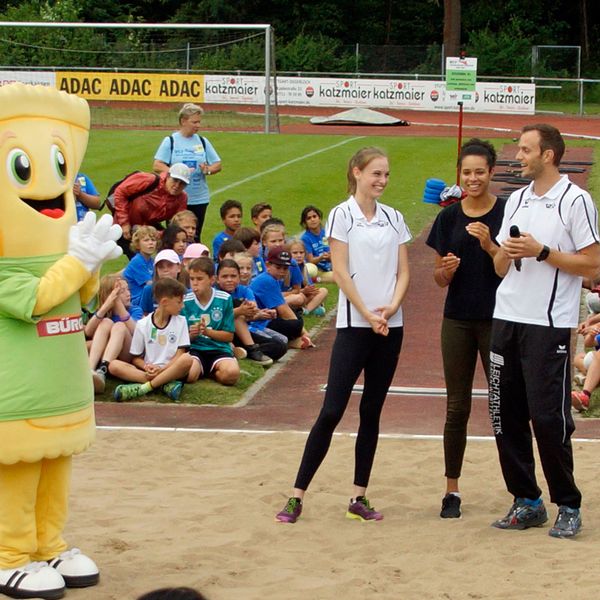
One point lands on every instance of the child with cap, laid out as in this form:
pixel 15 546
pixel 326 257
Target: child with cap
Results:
pixel 191 252
pixel 267 290
pixel 194 251
pixel 166 264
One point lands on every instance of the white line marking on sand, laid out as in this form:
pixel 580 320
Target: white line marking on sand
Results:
pixel 282 165
pixel 387 436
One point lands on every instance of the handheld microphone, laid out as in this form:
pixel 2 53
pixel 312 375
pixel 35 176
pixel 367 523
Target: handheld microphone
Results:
pixel 515 233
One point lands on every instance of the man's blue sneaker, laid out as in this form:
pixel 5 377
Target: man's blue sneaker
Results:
pixel 523 515
pixel 568 523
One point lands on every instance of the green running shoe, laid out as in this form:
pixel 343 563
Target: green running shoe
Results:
pixel 129 391
pixel 173 390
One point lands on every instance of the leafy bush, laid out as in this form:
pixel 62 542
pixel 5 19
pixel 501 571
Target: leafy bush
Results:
pixel 506 51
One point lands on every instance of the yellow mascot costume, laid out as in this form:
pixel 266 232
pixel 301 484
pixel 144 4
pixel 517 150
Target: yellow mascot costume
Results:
pixel 48 268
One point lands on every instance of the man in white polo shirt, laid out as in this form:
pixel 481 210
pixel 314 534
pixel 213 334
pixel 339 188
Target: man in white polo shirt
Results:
pixel 549 241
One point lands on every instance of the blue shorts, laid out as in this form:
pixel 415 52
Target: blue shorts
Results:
pixel 209 358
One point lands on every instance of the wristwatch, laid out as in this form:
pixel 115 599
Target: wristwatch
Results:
pixel 543 255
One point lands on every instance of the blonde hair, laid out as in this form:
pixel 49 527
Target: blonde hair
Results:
pixel 106 286
pixel 360 160
pixel 142 232
pixel 189 109
pixel 242 256
pixel 271 228
pixel 295 242
pixel 182 215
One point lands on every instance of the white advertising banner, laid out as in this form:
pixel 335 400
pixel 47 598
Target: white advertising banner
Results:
pixel 232 89
pixel 31 77
pixel 372 93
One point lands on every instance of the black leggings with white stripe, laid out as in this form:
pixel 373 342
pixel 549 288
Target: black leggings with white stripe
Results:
pixel 356 349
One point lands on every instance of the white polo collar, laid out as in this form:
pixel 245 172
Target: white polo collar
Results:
pixel 357 213
pixel 554 193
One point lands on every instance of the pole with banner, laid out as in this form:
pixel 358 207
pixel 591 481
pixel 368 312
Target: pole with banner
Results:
pixel 461 77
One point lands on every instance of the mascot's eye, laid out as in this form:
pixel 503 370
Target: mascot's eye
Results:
pixel 19 167
pixel 59 164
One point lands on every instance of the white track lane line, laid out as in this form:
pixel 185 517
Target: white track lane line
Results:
pixel 283 165
pixel 503 130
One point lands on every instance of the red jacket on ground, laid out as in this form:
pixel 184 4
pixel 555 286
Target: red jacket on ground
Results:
pixel 147 209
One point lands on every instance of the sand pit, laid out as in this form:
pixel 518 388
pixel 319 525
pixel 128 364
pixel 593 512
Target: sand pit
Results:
pixel 157 508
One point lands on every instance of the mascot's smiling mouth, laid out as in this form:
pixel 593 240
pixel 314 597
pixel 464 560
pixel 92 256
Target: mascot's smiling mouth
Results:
pixel 53 208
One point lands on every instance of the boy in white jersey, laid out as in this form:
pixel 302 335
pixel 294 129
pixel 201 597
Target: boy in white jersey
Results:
pixel 159 349
pixel 209 314
pixel 549 241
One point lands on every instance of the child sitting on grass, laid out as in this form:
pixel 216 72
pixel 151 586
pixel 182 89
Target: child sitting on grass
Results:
pixel 188 221
pixel 166 264
pixel 267 290
pixel 315 241
pixel 246 265
pixel 209 315
pixel 251 240
pixel 159 349
pixel 111 327
pixel 231 215
pixel 259 213
pixel 228 249
pixel 315 296
pixel 174 238
pixel 260 348
pixel 140 268
pixel 273 236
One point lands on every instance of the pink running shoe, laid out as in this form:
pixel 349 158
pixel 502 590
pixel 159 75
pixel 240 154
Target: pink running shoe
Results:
pixel 291 511
pixel 362 510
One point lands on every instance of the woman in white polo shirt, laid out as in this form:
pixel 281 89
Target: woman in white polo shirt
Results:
pixel 370 266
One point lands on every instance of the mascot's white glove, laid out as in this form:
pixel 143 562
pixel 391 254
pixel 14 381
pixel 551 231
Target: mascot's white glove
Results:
pixel 94 242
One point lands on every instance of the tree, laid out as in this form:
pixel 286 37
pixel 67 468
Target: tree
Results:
pixel 452 27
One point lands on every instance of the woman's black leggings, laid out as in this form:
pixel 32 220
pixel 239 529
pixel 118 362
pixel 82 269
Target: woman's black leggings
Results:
pixel 355 349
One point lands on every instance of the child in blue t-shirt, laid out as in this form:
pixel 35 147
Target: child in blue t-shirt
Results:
pixel 209 314
pixel 140 269
pixel 267 290
pixel 315 296
pixel 273 236
pixel 166 264
pixel 315 241
pixel 86 195
pixel 231 215
pixel 251 239
pixel 249 319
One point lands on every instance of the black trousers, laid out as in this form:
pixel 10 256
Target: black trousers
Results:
pixel 529 381
pixel 290 328
pixel 462 342
pixel 355 349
